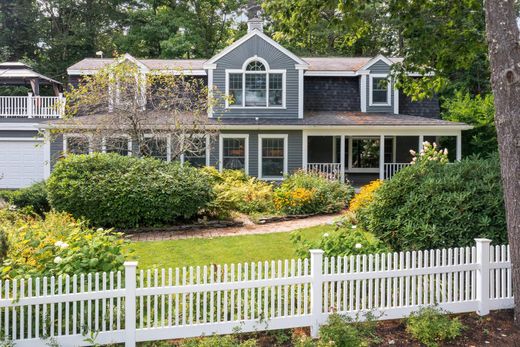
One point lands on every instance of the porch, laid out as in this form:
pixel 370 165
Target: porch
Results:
pixel 32 106
pixel 363 157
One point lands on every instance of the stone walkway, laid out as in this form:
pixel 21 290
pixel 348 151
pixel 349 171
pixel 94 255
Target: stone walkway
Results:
pixel 247 229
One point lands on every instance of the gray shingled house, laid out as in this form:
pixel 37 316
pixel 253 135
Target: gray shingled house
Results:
pixel 338 115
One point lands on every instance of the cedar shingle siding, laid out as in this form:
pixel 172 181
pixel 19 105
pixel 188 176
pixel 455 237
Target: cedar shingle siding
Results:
pixel 331 94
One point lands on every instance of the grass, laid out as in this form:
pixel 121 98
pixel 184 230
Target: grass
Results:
pixel 219 250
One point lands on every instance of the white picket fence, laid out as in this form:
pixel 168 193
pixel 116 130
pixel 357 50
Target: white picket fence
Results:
pixel 177 303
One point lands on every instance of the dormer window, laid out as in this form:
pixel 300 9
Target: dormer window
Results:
pixel 380 90
pixel 255 86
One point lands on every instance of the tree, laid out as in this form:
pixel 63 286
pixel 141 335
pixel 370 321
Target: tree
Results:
pixel 504 55
pixel 121 100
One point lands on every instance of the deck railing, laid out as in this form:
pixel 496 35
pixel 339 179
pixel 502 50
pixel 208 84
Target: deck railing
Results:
pixel 31 106
pixel 331 170
pixel 391 169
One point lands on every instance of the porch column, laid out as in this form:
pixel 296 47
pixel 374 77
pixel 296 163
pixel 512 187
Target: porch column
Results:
pixel 382 157
pixel 421 141
pixel 342 157
pixel 304 151
pixel 458 154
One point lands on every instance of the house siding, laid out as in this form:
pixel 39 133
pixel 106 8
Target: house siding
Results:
pixel 276 60
pixel 425 108
pixel 294 149
pixel 379 67
pixel 331 94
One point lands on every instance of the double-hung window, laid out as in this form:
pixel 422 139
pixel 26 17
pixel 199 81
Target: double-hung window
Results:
pixel 379 90
pixel 272 156
pixel 234 152
pixel 121 145
pixel 199 154
pixel 77 144
pixel 256 86
pixel 157 147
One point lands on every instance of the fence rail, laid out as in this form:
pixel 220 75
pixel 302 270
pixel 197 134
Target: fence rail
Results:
pixel 331 170
pixel 390 169
pixel 133 305
pixel 31 106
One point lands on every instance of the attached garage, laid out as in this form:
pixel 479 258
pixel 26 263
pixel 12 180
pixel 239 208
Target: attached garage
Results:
pixel 21 162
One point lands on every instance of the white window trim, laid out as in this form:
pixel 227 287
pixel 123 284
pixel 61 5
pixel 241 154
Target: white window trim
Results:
pixel 388 91
pixel 208 149
pixel 104 143
pixel 168 144
pixel 72 135
pixel 267 71
pixel 221 150
pixel 285 138
pixel 366 170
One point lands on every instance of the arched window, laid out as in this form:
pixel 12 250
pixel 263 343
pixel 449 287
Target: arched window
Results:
pixel 256 85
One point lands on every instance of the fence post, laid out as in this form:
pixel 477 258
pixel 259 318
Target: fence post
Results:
pixel 130 298
pixel 30 109
pixel 483 276
pixel 316 290
pixel 61 105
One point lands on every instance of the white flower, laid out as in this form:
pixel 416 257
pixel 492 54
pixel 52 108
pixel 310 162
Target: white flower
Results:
pixel 58 260
pixel 326 235
pixel 61 244
pixel 358 245
pixel 354 226
pixel 434 145
pixel 412 152
pixel 99 229
pixel 445 151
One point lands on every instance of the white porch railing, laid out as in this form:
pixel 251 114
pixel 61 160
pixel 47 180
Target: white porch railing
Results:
pixel 176 303
pixel 31 106
pixel 391 169
pixel 331 170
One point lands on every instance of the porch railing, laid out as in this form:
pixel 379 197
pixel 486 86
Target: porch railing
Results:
pixel 391 169
pixel 31 106
pixel 331 170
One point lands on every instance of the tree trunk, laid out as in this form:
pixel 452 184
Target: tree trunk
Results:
pixel 504 55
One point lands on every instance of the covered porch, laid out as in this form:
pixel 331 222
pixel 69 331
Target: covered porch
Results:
pixel 361 156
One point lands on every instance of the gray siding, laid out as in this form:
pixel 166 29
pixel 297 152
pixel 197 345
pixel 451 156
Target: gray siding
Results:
pixel 276 60
pixel 331 94
pixel 294 149
pixel 19 133
pixel 425 108
pixel 379 68
pixel 56 149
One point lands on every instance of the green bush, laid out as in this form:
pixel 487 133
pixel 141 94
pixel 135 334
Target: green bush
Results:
pixel 436 205
pixel 345 240
pixel 34 196
pixel 220 341
pixel 235 191
pixel 346 332
pixel 307 193
pixel 56 244
pixel 118 191
pixel 431 326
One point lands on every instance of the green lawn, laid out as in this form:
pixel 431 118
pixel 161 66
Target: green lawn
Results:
pixel 219 250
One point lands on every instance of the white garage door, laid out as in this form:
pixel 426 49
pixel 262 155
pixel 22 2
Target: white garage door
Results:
pixel 21 163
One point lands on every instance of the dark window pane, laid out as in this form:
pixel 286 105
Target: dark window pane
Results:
pixel 275 89
pixel 273 157
pixel 389 150
pixel 255 66
pixel 256 89
pixel 365 153
pixel 197 156
pixel 234 153
pixel 77 145
pixel 379 90
pixel 117 145
pixel 235 88
pixel 156 148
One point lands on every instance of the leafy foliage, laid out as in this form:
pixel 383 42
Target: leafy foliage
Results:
pixel 347 239
pixel 235 191
pixel 34 196
pixel 222 341
pixel 435 205
pixel 365 195
pixel 56 244
pixel 118 191
pixel 432 326
pixel 478 111
pixel 305 193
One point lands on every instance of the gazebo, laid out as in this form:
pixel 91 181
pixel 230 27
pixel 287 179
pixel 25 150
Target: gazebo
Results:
pixel 20 74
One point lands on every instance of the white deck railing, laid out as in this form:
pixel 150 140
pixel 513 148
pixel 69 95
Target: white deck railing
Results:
pixel 176 303
pixel 390 169
pixel 331 170
pixel 31 106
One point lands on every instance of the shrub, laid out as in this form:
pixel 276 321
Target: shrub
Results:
pixel 343 331
pixel 435 205
pixel 431 326
pixel 345 240
pixel 119 191
pixel 365 196
pixel 306 193
pixel 235 191
pixel 34 196
pixel 221 341
pixel 56 244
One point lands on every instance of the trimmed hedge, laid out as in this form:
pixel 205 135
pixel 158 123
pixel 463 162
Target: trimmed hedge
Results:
pixel 34 196
pixel 117 191
pixel 439 205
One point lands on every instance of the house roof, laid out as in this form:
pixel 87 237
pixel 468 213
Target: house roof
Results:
pixel 310 120
pixel 351 64
pixel 19 71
